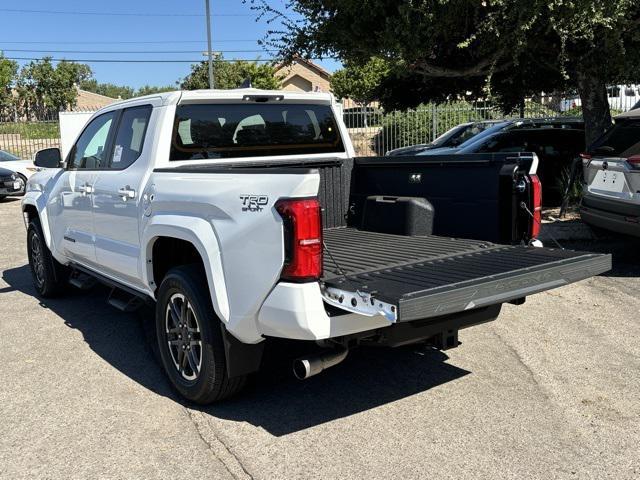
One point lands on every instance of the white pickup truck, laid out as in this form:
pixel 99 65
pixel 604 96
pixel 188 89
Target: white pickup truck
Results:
pixel 242 215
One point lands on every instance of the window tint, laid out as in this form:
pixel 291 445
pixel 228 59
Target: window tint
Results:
pixel 89 150
pixel 130 137
pixel 247 130
pixel 623 140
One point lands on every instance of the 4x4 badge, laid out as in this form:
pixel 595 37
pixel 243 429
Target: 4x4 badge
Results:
pixel 254 203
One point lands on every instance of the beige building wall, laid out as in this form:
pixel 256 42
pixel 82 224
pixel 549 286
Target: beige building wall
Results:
pixel 92 101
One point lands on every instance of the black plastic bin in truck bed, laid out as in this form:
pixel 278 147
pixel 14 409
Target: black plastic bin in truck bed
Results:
pixel 429 276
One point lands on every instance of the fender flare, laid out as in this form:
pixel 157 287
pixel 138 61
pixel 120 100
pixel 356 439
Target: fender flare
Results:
pixel 200 233
pixel 38 201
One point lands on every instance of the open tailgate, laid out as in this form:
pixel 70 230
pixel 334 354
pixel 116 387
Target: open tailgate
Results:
pixel 428 276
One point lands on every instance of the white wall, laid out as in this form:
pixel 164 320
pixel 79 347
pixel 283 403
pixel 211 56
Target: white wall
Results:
pixel 71 124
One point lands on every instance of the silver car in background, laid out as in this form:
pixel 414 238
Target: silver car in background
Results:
pixel 611 171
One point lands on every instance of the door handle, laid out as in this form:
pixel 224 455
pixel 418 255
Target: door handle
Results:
pixel 127 193
pixel 85 189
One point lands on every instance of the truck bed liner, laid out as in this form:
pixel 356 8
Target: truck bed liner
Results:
pixel 428 275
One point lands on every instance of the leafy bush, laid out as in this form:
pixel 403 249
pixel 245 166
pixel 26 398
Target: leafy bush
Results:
pixel 31 130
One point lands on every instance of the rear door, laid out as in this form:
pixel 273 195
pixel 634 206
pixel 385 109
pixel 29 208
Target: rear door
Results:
pixel 118 199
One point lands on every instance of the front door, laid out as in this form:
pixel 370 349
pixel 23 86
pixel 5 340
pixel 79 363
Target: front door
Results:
pixel 70 204
pixel 117 198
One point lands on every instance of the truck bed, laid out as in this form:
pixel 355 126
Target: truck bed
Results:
pixel 428 276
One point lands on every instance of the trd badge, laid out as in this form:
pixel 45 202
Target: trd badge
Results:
pixel 253 203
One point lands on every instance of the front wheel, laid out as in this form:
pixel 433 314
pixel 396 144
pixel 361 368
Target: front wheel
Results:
pixel 49 276
pixel 190 338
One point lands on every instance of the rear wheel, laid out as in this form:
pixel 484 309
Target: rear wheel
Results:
pixel 49 276
pixel 190 338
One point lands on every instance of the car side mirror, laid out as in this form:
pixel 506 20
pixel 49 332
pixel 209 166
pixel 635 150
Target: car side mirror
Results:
pixel 48 158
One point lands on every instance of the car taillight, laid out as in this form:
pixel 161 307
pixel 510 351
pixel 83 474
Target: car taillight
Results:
pixel 303 239
pixel 536 203
pixel 634 161
pixel 586 159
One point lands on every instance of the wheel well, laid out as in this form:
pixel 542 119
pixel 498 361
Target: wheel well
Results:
pixel 171 252
pixel 31 211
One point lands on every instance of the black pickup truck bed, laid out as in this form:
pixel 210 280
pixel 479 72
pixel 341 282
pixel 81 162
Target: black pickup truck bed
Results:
pixel 429 276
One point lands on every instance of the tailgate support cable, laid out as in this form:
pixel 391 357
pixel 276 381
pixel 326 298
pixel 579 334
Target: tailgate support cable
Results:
pixel 526 209
pixel 344 275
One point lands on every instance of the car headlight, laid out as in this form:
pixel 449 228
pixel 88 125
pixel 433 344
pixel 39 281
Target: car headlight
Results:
pixel 13 176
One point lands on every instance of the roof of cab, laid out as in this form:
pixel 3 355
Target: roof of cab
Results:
pixel 192 96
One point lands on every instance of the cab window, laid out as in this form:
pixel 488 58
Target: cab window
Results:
pixel 89 151
pixel 129 140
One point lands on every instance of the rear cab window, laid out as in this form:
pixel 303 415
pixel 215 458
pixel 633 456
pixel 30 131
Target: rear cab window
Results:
pixel 212 131
pixel 621 140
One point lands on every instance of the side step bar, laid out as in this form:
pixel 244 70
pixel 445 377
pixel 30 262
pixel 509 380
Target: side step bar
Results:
pixel 120 297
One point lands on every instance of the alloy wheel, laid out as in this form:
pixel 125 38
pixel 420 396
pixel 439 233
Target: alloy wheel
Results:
pixel 184 337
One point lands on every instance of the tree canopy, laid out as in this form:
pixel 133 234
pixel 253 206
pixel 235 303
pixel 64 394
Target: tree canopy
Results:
pixel 505 48
pixel 231 75
pixel 360 82
pixel 43 88
pixel 8 71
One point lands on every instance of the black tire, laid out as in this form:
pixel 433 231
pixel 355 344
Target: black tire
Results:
pixel 2 197
pixel 50 278
pixel 184 289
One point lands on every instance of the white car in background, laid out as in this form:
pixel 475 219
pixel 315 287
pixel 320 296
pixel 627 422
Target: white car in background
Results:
pixel 23 168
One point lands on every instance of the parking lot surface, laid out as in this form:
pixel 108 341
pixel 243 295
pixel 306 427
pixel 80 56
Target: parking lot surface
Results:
pixel 549 390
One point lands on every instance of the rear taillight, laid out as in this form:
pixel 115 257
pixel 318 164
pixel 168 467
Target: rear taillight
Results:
pixel 634 161
pixel 586 159
pixel 302 221
pixel 536 203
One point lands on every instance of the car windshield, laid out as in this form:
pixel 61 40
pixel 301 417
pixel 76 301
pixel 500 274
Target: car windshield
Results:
pixel 467 132
pixel 7 157
pixel 622 140
pixel 206 131
pixel 485 133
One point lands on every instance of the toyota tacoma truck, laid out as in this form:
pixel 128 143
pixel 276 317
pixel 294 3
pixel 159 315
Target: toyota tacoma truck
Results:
pixel 242 215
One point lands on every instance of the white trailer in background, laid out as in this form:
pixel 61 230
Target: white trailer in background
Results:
pixel 71 124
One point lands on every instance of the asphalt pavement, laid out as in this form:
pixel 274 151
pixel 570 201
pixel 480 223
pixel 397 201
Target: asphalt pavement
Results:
pixel 549 390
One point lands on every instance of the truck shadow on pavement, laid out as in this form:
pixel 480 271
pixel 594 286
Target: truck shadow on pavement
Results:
pixel 274 400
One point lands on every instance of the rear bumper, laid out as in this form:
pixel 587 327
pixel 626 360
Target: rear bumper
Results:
pixel 611 215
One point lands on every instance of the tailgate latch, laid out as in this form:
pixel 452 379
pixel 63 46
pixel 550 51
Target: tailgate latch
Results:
pixel 360 303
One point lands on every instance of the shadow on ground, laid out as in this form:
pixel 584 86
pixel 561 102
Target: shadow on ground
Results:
pixel 275 400
pixel 625 251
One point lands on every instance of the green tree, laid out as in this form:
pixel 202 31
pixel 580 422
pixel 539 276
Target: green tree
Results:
pixel 8 71
pixel 229 75
pixel 107 89
pixel 358 82
pixel 43 89
pixel 149 89
pixel 505 48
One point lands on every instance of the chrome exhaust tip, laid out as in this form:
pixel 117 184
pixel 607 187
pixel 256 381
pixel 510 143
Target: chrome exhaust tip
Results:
pixel 305 367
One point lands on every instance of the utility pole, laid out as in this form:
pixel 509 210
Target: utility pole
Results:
pixel 209 51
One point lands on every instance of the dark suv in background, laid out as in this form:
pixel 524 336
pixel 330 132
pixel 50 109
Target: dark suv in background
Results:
pixel 611 169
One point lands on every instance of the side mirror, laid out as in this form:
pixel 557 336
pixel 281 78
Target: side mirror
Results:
pixel 48 158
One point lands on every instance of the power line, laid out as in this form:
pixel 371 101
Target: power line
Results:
pixel 56 42
pixel 122 14
pixel 130 51
pixel 103 60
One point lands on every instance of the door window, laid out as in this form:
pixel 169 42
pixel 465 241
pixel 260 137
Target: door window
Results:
pixel 89 151
pixel 130 137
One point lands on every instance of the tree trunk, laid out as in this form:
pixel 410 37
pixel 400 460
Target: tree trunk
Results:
pixel 595 104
